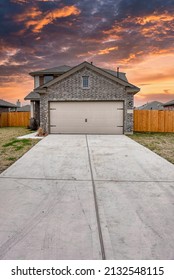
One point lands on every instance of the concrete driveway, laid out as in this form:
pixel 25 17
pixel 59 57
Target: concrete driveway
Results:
pixel 87 197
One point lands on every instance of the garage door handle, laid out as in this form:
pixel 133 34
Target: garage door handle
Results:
pixel 86 120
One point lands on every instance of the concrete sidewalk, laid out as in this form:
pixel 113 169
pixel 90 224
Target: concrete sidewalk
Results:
pixel 48 208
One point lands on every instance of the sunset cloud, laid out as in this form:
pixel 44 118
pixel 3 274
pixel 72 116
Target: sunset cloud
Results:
pixel 35 18
pixel 107 50
pixel 30 13
pixel 154 18
pixel 127 33
pixel 51 16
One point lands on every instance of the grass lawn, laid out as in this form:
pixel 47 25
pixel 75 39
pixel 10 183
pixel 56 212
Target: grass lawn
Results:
pixel 11 148
pixel 160 143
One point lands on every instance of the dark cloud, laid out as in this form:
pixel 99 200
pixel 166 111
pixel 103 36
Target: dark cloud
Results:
pixel 137 8
pixel 39 34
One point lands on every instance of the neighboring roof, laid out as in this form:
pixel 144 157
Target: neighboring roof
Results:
pixel 154 105
pixel 4 103
pixel 130 88
pixel 55 70
pixel 169 103
pixel 25 108
pixel 32 96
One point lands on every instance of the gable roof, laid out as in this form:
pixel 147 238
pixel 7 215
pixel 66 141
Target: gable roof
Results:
pixel 64 68
pixel 4 103
pixel 130 87
pixel 171 102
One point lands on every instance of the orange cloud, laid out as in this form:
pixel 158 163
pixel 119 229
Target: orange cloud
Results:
pixel 154 18
pixel 107 50
pixel 38 24
pixel 149 26
pixel 94 53
pixel 114 29
pixel 113 33
pixel 127 60
pixel 33 12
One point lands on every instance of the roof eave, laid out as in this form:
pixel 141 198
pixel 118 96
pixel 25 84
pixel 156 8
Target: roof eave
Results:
pixel 32 98
pixel 46 73
pixel 8 106
pixel 41 90
pixel 167 105
pixel 133 90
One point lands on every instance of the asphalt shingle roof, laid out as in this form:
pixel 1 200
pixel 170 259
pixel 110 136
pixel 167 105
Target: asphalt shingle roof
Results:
pixel 33 96
pixel 154 105
pixel 55 70
pixel 120 75
pixel 25 108
pixel 64 68
pixel 171 102
pixel 4 103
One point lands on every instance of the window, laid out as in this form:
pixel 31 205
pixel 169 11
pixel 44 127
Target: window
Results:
pixel 85 82
pixel 48 78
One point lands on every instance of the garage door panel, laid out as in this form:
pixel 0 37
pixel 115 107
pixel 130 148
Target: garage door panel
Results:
pixel 86 117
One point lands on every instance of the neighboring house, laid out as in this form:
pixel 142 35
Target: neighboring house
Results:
pixel 154 105
pixel 7 106
pixel 82 99
pixel 25 108
pixel 169 105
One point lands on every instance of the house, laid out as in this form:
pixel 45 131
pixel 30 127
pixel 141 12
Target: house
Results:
pixel 169 105
pixel 25 108
pixel 82 99
pixel 154 105
pixel 7 106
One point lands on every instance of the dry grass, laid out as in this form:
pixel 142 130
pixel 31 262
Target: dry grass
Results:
pixel 160 143
pixel 12 149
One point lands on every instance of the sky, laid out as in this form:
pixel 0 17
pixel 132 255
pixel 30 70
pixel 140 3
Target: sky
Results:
pixel 135 35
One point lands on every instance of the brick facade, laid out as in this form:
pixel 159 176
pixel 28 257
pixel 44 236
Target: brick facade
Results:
pixel 101 88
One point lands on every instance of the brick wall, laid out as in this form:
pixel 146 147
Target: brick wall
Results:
pixel 100 89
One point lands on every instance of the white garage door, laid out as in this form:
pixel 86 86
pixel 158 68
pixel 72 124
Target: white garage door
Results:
pixel 86 117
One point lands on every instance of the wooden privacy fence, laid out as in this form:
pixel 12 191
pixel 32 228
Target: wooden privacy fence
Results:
pixel 153 121
pixel 144 120
pixel 14 119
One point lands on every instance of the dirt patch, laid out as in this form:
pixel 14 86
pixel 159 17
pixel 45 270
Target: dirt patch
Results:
pixel 160 143
pixel 11 148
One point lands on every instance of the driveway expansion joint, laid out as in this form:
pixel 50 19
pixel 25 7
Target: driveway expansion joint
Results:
pixel 96 205
pixel 85 180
